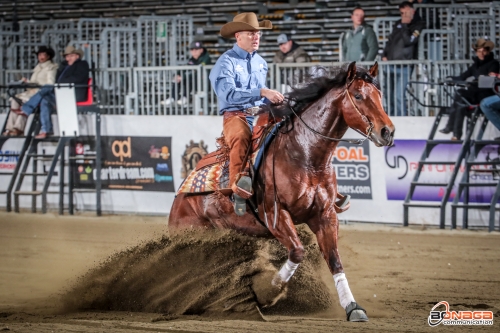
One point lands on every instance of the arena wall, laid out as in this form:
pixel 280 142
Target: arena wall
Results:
pixel 200 132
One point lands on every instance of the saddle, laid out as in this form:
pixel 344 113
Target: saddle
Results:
pixel 212 171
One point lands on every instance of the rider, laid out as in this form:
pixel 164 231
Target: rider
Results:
pixel 239 81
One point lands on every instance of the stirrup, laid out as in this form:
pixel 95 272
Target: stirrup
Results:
pixel 242 190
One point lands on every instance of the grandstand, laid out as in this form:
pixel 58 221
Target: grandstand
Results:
pixel 316 25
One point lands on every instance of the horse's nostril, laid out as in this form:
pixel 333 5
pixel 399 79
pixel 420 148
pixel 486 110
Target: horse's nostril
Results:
pixel 385 133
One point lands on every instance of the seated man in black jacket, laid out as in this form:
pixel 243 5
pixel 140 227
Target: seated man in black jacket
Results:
pixel 73 70
pixel 484 64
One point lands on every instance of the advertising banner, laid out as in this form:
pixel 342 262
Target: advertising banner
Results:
pixel 128 162
pixel 402 162
pixel 352 166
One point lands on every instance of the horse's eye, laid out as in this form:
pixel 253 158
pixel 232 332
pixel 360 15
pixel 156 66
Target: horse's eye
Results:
pixel 358 97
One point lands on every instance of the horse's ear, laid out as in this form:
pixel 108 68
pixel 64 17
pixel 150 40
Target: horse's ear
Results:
pixel 351 71
pixel 374 70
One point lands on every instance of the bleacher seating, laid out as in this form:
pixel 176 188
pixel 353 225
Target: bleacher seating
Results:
pixel 316 25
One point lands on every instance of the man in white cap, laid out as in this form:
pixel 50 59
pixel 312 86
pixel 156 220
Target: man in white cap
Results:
pixel 239 81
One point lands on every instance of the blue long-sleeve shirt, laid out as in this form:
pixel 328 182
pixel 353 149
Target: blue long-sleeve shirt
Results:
pixel 237 78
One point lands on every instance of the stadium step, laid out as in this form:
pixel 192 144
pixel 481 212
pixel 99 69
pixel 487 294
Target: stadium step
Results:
pixel 430 144
pixel 465 183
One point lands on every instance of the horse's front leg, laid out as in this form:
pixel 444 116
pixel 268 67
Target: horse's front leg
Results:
pixel 270 286
pixel 327 235
pixel 286 234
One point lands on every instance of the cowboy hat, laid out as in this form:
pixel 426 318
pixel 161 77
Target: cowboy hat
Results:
pixel 484 43
pixel 242 22
pixel 48 50
pixel 72 50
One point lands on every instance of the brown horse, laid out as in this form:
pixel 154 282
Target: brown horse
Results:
pixel 296 182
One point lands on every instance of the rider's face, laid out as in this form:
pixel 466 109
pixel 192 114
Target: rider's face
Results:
pixel 248 40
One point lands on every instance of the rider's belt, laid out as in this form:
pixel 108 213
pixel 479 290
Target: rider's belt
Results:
pixel 228 114
pixel 253 111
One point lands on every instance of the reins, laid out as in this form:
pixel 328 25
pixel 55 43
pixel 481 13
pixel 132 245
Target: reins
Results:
pixel 353 141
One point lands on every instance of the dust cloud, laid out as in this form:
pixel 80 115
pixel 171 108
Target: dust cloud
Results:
pixel 209 273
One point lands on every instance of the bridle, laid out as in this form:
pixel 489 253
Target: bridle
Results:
pixel 366 135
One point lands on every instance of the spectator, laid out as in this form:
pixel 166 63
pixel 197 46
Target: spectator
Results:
pixel 484 64
pixel 428 15
pixel 360 43
pixel 183 85
pixel 290 52
pixel 490 106
pixel 402 45
pixel 239 81
pixel 73 70
pixel 43 73
pixel 431 18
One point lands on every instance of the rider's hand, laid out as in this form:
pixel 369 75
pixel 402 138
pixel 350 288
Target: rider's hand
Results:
pixel 494 75
pixel 24 79
pixel 273 95
pixel 384 58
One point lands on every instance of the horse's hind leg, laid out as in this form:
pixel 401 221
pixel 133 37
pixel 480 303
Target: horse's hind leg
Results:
pixel 187 213
pixel 327 236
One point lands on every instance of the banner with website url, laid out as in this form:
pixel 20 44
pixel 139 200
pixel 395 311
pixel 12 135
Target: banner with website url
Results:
pixel 402 161
pixel 352 166
pixel 128 163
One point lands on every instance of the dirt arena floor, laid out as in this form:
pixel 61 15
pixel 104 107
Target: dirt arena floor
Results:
pixel 123 274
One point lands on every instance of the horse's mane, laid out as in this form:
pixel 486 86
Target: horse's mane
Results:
pixel 316 85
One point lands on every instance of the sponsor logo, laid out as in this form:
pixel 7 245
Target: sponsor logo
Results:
pixel 350 154
pixel 80 168
pixel 192 155
pixel 9 162
pixel 447 317
pixel 88 169
pixel 84 177
pixel 79 149
pixel 163 167
pixel 159 152
pixel 352 172
pixel 162 178
pixel 122 149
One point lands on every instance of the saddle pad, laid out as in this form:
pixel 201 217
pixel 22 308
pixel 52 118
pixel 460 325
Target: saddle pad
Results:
pixel 215 177
pixel 204 180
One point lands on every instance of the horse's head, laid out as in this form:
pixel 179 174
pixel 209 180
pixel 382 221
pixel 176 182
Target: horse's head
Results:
pixel 363 110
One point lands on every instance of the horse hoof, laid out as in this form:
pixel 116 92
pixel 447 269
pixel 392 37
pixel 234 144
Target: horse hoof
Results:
pixel 358 315
pixel 355 313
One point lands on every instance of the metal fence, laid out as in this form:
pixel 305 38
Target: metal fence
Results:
pixel 107 43
pixel 156 91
